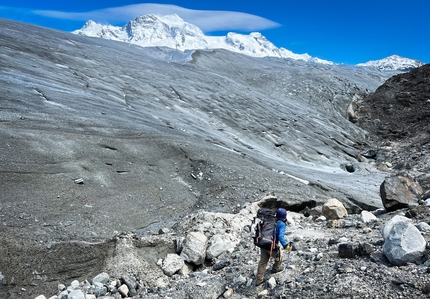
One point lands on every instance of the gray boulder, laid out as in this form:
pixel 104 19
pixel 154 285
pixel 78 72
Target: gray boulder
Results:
pixel 404 244
pixel 172 264
pixel 99 289
pixel 218 244
pixel 76 294
pixel 102 278
pixel 423 227
pixel 194 248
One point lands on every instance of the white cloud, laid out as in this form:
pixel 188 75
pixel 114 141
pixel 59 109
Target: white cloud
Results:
pixel 206 20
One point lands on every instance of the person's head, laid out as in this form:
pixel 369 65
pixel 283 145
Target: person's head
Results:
pixel 281 214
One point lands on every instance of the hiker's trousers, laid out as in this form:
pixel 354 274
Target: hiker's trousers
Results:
pixel 264 260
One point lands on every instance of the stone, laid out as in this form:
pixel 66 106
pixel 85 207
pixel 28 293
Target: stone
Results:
pixel 73 286
pixel 179 244
pixel 61 287
pixel 404 244
pixel 367 248
pixel 99 289
pixel 172 264
pixel 321 219
pixel 194 250
pixel 186 269
pixel 79 181
pixel 217 245
pixel 220 265
pixel 240 280
pixel 423 227
pixel 76 294
pixel 102 278
pixel 316 212
pixel 130 281
pixel 163 231
pixel 271 283
pixel 367 217
pixel 414 212
pixel 334 209
pixel 228 293
pixel 349 250
pixel 263 293
pixel 398 192
pixel 123 290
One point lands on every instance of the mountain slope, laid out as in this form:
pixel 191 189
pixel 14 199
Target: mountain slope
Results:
pixel 398 113
pixel 100 137
pixel 134 125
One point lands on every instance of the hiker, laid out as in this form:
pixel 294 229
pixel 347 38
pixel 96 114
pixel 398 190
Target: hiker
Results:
pixel 281 219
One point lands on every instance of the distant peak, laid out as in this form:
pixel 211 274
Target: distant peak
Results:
pixel 393 63
pixel 90 23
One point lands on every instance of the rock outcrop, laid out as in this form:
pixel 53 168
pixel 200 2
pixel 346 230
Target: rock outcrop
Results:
pixel 396 116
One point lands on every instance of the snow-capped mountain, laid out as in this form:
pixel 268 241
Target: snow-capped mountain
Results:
pixel 173 32
pixel 393 63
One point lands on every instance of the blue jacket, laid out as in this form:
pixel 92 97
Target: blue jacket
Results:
pixel 280 232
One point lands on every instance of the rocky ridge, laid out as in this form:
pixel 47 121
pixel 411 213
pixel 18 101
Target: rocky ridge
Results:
pixel 396 116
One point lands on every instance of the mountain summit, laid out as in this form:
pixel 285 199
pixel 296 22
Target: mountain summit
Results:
pixel 393 63
pixel 173 32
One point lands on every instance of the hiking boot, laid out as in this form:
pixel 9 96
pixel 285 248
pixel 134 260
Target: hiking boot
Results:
pixel 258 283
pixel 278 270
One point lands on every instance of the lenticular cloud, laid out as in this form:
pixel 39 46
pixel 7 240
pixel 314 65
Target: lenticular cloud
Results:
pixel 207 20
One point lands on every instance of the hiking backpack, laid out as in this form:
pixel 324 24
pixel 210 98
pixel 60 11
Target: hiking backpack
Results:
pixel 263 229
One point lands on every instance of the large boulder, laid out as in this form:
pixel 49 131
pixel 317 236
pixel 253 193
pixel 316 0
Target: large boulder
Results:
pixel 102 277
pixel 398 192
pixel 404 244
pixel 218 244
pixel 172 264
pixel 334 209
pixel 194 248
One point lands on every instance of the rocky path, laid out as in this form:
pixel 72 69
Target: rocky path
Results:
pixel 330 259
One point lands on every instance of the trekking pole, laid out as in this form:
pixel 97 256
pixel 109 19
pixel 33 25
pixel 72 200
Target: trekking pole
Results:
pixel 288 248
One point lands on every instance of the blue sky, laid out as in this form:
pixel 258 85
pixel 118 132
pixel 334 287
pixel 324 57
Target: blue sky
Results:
pixel 342 31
